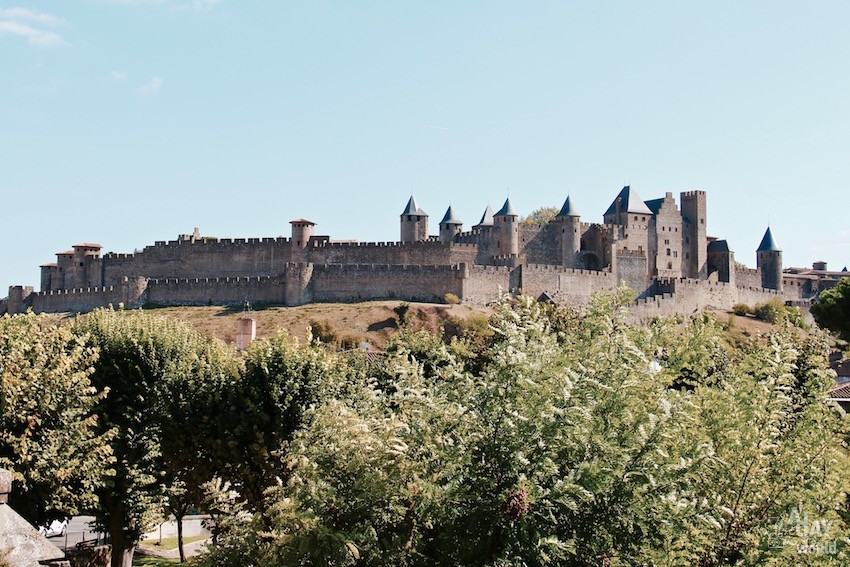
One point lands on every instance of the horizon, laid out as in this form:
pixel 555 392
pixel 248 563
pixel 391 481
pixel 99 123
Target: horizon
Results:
pixel 132 121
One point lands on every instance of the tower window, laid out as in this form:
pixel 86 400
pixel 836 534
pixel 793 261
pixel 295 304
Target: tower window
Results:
pixel 668 251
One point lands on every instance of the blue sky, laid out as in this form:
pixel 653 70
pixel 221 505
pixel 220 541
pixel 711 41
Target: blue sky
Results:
pixel 128 121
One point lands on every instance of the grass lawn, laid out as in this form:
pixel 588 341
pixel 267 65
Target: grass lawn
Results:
pixel 171 542
pixel 147 561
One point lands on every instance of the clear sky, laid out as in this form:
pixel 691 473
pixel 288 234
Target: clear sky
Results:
pixel 123 122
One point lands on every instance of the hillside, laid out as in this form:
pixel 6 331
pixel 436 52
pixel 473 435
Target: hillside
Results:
pixel 372 321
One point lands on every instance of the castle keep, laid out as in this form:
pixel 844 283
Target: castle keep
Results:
pixel 657 248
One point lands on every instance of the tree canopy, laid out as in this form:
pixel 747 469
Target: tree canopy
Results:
pixel 832 309
pixel 541 215
pixel 50 437
pixel 569 438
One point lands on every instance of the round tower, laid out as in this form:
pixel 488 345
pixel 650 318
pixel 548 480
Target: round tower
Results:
pixel 302 230
pixel 414 222
pixel 769 262
pixel 570 224
pixel 450 226
pixel 506 222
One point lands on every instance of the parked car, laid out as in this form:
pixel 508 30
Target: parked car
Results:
pixel 55 528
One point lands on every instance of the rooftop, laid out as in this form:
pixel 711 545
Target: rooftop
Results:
pixel 506 210
pixel 768 244
pixel 568 210
pixel 413 209
pixel 630 202
pixel 450 217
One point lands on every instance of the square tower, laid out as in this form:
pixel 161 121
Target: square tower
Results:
pixel 694 236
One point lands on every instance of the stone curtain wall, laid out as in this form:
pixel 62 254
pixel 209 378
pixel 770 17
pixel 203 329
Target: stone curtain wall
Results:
pixel 215 291
pixel 131 292
pixel 687 297
pixel 360 282
pixel 540 244
pixel 564 284
pixel 482 284
pixel 212 258
pixel 426 253
pixel 746 277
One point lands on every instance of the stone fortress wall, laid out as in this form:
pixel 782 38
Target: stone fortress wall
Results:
pixel 653 247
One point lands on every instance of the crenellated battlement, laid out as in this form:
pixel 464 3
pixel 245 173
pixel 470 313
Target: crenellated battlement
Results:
pixel 546 257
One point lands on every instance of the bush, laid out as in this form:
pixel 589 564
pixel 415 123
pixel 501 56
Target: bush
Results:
pixel 742 309
pixel 475 328
pixel 796 317
pixel 323 330
pixel 770 311
pixel 402 310
pixel 350 340
pixel 451 299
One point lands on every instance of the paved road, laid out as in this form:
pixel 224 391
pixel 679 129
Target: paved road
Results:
pixel 79 530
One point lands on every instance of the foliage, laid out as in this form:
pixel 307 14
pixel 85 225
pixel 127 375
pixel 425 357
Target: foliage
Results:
pixel 152 368
pixel 571 438
pixel 770 311
pixel 402 311
pixel 323 330
pixel 350 341
pixel 832 309
pixel 49 435
pixel 281 380
pixel 451 299
pixel 776 312
pixel 541 215
pixel 474 329
pixel 742 309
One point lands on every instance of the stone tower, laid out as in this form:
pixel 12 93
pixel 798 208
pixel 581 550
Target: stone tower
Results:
pixel 450 226
pixel 570 222
pixel 302 230
pixel 694 238
pixel 506 222
pixel 414 222
pixel 769 262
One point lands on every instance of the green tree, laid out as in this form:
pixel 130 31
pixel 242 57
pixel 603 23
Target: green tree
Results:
pixel 190 429
pixel 145 363
pixel 541 215
pixel 281 380
pixel 49 436
pixel 578 438
pixel 832 309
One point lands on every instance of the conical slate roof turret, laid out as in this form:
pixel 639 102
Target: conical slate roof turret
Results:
pixel 413 209
pixel 629 203
pixel 506 210
pixel 568 210
pixel 450 218
pixel 768 243
pixel 487 217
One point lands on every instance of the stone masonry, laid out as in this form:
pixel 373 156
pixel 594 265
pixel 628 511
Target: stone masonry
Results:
pixel 657 248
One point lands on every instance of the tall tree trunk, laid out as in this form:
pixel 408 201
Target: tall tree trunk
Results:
pixel 179 519
pixel 122 547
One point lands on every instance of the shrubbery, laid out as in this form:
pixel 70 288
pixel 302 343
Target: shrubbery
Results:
pixel 742 309
pixel 451 299
pixel 588 442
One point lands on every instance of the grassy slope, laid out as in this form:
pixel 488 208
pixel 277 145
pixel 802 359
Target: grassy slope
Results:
pixel 372 321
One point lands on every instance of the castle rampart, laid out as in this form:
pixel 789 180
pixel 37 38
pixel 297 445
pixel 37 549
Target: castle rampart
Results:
pixel 651 246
